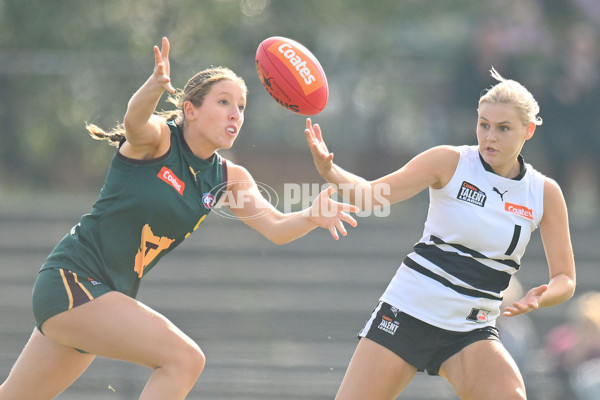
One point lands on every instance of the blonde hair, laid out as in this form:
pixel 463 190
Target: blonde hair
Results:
pixel 194 91
pixel 510 91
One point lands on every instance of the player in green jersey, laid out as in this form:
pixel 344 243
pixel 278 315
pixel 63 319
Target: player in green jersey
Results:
pixel 163 181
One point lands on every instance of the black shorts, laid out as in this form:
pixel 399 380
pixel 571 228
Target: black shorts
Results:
pixel 422 345
pixel 57 290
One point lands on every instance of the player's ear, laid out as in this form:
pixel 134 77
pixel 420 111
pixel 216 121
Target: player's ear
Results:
pixel 189 110
pixel 530 130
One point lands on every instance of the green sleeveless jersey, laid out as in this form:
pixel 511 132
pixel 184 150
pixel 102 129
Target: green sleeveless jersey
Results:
pixel 146 208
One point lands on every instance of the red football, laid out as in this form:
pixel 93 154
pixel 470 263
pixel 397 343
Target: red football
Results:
pixel 292 75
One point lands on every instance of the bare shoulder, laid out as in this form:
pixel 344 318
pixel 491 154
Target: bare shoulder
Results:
pixel 438 156
pixel 238 176
pixel 555 216
pixel 235 170
pixel 553 195
pixel 445 153
pixel 152 142
pixel 442 160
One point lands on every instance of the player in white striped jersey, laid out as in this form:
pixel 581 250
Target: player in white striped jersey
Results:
pixel 438 313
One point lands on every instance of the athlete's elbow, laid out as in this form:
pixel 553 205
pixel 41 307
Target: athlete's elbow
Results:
pixel 131 127
pixel 572 285
pixel 279 239
pixel 566 287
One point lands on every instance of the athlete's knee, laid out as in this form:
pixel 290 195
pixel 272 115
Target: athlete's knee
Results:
pixel 195 361
pixel 189 361
pixel 517 393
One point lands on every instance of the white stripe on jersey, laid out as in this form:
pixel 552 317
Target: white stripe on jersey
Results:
pixel 476 232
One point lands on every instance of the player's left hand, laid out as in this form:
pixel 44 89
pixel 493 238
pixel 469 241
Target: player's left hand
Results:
pixel 330 214
pixel 530 302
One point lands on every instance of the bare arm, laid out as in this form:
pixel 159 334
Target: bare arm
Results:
pixel 144 131
pixel 554 229
pixel 432 168
pixel 247 203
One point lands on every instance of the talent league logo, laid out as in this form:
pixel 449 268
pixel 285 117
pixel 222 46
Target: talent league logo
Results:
pixel 94 282
pixel 388 325
pixel 471 194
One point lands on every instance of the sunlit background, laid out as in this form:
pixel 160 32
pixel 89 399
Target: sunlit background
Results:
pixel 403 76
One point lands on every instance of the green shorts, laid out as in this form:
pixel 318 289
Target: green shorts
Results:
pixel 57 290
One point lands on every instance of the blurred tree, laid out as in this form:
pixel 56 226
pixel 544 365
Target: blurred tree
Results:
pixel 390 66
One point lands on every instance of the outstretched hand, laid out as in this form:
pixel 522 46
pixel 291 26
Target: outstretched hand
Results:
pixel 331 215
pixel 162 69
pixel 322 157
pixel 530 302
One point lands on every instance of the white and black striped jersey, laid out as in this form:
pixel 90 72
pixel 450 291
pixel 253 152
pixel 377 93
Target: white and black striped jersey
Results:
pixel 476 232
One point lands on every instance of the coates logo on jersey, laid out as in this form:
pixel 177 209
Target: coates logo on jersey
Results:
pixel 208 199
pixel 168 176
pixel 519 210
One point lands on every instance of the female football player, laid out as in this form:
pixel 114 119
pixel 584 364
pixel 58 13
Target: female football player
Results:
pixel 438 312
pixel 163 180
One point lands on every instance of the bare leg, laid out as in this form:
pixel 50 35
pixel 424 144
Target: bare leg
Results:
pixel 117 326
pixel 375 373
pixel 43 370
pixel 484 370
pixel 114 326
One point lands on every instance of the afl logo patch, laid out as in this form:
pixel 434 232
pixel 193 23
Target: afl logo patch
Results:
pixel 208 199
pixel 471 194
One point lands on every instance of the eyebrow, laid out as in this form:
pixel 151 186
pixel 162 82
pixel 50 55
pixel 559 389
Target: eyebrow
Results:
pixel 497 123
pixel 225 92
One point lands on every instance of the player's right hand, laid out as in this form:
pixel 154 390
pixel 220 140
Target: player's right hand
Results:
pixel 322 157
pixel 162 69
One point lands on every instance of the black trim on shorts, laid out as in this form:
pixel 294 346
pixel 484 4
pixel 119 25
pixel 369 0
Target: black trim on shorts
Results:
pixel 424 346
